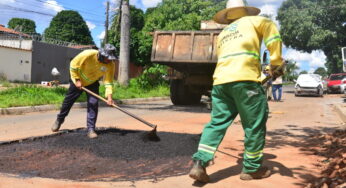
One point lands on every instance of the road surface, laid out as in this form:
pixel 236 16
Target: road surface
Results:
pixel 288 152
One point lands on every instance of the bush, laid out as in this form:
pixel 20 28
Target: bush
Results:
pixel 151 77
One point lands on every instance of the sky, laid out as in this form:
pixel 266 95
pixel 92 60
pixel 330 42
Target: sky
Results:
pixel 93 12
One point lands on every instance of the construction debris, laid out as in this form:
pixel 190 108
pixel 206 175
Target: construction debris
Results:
pixel 333 173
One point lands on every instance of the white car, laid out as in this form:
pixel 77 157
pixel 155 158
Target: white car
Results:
pixel 309 84
pixel 343 86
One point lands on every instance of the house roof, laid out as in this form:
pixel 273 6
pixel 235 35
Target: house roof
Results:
pixel 11 31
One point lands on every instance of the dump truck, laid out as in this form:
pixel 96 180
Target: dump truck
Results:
pixel 191 58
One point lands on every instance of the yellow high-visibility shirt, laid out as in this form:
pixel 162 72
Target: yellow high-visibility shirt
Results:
pixel 238 49
pixel 86 67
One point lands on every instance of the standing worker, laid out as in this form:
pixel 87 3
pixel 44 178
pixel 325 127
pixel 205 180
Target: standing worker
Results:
pixel 237 89
pixel 86 69
pixel 277 88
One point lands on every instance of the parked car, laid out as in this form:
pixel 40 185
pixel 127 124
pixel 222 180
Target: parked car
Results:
pixel 334 83
pixel 343 85
pixel 325 84
pixel 309 84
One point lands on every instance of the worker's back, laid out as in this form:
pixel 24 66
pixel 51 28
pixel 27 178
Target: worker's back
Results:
pixel 238 49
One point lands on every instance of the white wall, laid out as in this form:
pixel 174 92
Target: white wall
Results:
pixel 23 44
pixel 15 64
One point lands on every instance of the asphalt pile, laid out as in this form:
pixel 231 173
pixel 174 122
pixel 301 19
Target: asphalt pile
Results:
pixel 333 167
pixel 116 155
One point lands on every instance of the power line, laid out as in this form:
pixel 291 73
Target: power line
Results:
pixel 91 13
pixel 88 13
pixel 97 22
pixel 27 10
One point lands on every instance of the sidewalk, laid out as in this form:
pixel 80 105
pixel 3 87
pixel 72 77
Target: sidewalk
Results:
pixel 40 108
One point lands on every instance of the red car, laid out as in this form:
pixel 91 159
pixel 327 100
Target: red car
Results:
pixel 334 83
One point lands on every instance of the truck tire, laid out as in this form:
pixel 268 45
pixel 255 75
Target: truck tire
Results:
pixel 181 94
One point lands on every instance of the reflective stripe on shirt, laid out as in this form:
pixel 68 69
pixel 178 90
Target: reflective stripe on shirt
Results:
pixel 249 53
pixel 272 39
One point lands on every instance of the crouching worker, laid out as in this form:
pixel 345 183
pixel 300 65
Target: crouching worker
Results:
pixel 237 88
pixel 86 69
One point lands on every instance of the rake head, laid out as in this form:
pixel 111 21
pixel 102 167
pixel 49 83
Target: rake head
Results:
pixel 151 136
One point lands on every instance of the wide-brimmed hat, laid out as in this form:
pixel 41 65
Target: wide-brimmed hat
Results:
pixel 108 51
pixel 234 9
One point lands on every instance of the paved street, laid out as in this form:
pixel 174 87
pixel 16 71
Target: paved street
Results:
pixel 291 123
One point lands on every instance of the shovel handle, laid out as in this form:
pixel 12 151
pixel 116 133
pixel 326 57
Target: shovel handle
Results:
pixel 117 107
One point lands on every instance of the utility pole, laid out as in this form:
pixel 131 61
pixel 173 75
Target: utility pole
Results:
pixel 124 55
pixel 105 39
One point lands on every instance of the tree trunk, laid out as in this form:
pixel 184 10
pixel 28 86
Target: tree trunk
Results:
pixel 124 60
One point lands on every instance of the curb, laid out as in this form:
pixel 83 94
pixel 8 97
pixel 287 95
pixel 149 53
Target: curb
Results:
pixel 341 111
pixel 41 108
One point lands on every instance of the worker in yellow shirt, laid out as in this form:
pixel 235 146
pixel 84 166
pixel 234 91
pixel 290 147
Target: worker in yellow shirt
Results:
pixel 237 88
pixel 86 69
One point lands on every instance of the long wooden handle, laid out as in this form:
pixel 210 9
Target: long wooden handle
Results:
pixel 117 107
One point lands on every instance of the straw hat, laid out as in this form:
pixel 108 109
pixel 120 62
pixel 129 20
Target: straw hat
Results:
pixel 234 9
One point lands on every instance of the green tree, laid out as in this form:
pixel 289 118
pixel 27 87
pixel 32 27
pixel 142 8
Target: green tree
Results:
pixel 27 25
pixel 309 25
pixel 290 71
pixel 137 22
pixel 303 72
pixel 69 26
pixel 321 71
pixel 175 15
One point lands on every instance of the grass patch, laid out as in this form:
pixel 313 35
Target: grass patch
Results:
pixel 5 83
pixel 122 92
pixel 31 95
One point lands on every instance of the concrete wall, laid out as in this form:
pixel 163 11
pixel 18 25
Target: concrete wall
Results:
pixel 15 64
pixel 22 44
pixel 46 56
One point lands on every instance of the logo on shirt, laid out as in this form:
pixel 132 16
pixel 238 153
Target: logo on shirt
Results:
pixel 232 27
pixel 103 69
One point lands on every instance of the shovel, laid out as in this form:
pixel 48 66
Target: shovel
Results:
pixel 150 136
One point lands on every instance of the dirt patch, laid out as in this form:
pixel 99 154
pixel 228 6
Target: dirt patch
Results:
pixel 115 155
pixel 333 166
pixel 3 88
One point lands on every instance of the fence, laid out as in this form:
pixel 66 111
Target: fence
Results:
pixel 24 42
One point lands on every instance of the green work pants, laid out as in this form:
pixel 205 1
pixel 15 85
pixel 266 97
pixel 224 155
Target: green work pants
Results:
pixel 228 100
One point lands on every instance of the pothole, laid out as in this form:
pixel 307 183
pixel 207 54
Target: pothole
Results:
pixel 116 155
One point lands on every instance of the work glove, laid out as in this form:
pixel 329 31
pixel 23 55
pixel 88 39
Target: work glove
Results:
pixel 277 71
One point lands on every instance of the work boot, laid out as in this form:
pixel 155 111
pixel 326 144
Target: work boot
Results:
pixel 199 173
pixel 57 124
pixel 262 172
pixel 92 134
